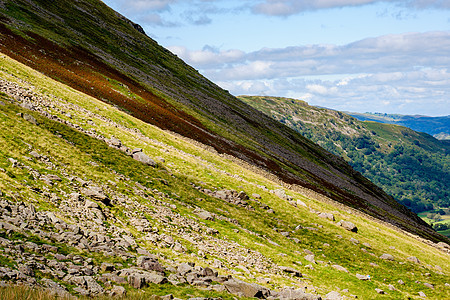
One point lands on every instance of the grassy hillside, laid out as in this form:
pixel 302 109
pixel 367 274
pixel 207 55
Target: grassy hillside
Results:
pixel 411 166
pixel 79 214
pixel 91 48
pixel 439 127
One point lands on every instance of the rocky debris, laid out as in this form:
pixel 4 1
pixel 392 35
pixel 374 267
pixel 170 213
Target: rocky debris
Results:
pixel 149 263
pixel 387 256
pixel 443 245
pixel 96 193
pixel 422 294
pixel 230 196
pixel 244 289
pixel 401 282
pixel 348 225
pixel 139 278
pixel 380 291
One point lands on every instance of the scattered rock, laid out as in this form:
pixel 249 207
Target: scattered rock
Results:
pixel 203 214
pixel 292 271
pixel 149 263
pixel 326 216
pixel 291 294
pixel 333 296
pixel 300 203
pixel 387 256
pixel 362 277
pixel 340 268
pixel 391 287
pixel 401 282
pixel 348 225
pixel 380 291
pixel 118 291
pixel 428 285
pixel 30 119
pixel 422 294
pixel 143 158
pixel 244 289
pixel 310 258
pixel 414 259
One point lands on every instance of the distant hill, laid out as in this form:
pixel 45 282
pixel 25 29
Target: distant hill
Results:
pixel 439 127
pixel 411 166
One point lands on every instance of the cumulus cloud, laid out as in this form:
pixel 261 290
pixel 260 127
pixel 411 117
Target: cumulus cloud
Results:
pixel 403 71
pixel 145 5
pixel 292 7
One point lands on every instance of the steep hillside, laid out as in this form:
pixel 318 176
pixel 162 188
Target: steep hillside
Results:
pixel 91 48
pixel 439 127
pixel 96 202
pixel 411 166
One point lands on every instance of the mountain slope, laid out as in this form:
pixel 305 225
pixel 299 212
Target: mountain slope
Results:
pixel 93 49
pixel 81 214
pixel 411 166
pixel 439 127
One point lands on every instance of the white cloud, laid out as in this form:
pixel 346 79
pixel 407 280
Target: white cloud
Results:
pixel 147 5
pixel 292 7
pixel 395 73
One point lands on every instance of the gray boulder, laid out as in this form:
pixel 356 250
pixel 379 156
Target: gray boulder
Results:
pixel 387 256
pixel 30 119
pixel 414 259
pixel 244 289
pixel 291 294
pixel 149 263
pixel 333 296
pixel 143 158
pixel 348 225
pixel 326 216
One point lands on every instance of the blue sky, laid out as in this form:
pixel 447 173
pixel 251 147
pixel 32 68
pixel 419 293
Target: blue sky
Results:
pixel 352 55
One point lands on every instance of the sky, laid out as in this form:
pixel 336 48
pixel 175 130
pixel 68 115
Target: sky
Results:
pixel 388 56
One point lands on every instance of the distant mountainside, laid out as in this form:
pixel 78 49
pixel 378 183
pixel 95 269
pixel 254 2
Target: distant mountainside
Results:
pixel 414 167
pixel 439 127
